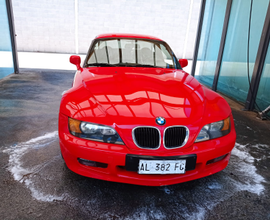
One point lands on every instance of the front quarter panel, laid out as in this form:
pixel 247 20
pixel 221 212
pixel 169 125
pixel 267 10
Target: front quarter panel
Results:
pixel 216 107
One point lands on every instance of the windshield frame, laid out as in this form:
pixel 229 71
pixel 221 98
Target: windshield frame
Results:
pixel 176 64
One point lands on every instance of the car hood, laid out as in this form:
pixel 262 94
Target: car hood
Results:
pixel 125 98
pixel 136 96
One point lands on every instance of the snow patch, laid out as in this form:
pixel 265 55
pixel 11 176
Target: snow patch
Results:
pixel 243 156
pixel 214 185
pixel 167 190
pixel 261 146
pixel 200 215
pixel 145 213
pixel 42 138
pixel 23 175
pixel 250 179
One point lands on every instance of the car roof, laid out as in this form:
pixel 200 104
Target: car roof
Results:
pixel 126 36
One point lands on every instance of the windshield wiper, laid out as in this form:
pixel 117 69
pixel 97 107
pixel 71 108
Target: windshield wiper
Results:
pixel 120 64
pixel 124 64
pixel 144 65
pixel 134 65
pixel 100 64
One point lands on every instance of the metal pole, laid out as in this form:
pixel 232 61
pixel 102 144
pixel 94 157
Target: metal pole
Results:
pixel 198 38
pixel 259 63
pixel 222 44
pixel 12 35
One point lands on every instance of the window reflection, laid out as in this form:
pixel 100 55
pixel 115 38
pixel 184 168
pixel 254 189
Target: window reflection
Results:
pixel 151 101
pixel 135 95
pixel 142 104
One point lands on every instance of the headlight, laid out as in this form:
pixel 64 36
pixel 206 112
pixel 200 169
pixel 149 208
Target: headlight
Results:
pixel 214 130
pixel 94 132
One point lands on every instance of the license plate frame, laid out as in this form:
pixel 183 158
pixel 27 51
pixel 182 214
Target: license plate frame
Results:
pixel 162 166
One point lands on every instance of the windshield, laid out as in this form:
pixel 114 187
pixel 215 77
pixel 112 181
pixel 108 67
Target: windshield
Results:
pixel 131 53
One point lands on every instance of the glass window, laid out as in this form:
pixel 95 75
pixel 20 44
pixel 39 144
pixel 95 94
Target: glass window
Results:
pixel 128 51
pixel 233 78
pixel 263 95
pixel 210 41
pixel 132 52
pixel 113 51
pixel 6 64
pixel 100 52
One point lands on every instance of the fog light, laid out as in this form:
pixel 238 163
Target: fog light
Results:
pixel 216 159
pixel 92 163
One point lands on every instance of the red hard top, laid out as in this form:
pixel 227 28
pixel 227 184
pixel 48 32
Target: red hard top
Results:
pixel 127 36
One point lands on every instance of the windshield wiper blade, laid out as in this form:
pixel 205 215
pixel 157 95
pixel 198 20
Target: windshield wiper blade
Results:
pixel 120 64
pixel 134 65
pixel 145 65
pixel 100 64
pixel 124 64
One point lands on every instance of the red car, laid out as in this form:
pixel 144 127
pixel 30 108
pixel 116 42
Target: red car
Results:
pixel 134 116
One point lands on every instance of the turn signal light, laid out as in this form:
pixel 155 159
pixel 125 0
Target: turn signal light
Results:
pixel 216 159
pixel 92 163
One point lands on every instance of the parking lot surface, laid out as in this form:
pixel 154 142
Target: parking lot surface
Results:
pixel 36 184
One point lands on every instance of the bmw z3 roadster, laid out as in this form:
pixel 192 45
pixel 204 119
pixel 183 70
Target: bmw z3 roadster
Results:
pixel 134 116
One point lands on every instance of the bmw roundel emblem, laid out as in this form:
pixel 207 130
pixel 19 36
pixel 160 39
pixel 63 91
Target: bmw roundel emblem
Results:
pixel 160 121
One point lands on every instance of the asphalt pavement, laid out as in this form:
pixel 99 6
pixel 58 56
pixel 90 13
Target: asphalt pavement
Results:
pixel 36 184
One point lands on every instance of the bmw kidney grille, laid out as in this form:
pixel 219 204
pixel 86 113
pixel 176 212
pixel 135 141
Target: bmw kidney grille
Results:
pixel 175 137
pixel 146 137
pixel 150 138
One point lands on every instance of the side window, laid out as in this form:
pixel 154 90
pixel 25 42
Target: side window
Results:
pixel 167 57
pixel 160 57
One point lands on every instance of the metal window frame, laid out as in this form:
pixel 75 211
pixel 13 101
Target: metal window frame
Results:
pixel 222 44
pixel 12 35
pixel 198 37
pixel 259 63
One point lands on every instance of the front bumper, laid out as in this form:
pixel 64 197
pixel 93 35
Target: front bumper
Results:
pixel 113 157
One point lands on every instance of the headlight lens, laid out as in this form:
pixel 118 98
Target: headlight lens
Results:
pixel 94 132
pixel 214 130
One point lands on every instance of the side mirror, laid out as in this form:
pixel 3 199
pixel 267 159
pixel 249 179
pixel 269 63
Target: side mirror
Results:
pixel 76 60
pixel 183 62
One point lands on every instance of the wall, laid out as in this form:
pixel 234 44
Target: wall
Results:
pixel 68 26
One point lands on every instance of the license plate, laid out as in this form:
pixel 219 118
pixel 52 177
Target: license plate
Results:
pixel 162 166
